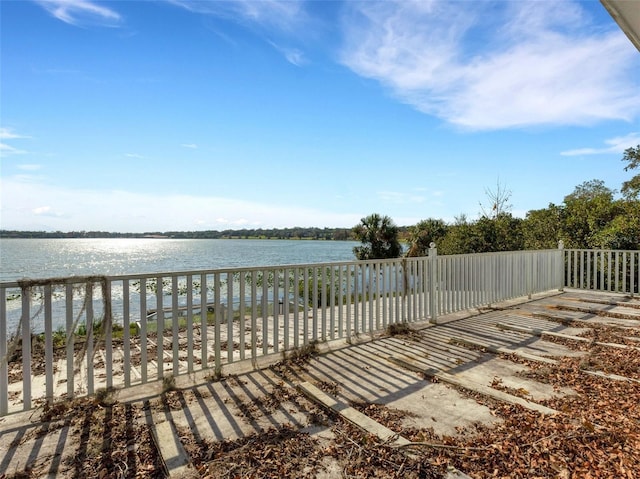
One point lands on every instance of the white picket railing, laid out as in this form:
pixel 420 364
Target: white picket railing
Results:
pixel 64 337
pixel 603 270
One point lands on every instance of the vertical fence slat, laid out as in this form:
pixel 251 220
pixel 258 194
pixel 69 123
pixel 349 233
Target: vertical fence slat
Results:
pixel 26 348
pixel 370 294
pixel 242 311
pixel 70 338
pixel 286 273
pixel 48 343
pixel 323 300
pixel 126 336
pixel 159 328
pixel 189 326
pixel 356 299
pixel 624 271
pixel 265 312
pixel 305 306
pixel 175 327
pixel 218 317
pixel 107 332
pixel 385 294
pixel 349 300
pixel 143 330
pixel 332 303
pixel 633 278
pixel 296 309
pixel 89 340
pixel 204 322
pixel 276 310
pixel 230 345
pixel 4 359
pixel 254 316
pixel 341 302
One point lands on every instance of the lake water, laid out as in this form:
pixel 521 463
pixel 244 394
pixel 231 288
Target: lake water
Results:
pixel 49 258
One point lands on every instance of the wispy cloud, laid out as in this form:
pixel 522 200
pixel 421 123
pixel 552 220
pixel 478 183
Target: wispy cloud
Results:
pixel 81 12
pixel 192 146
pixel 614 145
pixel 268 13
pixel 135 156
pixel 270 17
pixel 46 211
pixel 484 65
pixel 292 55
pixel 10 150
pixel 9 134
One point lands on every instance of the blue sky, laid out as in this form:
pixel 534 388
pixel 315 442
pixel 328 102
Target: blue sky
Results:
pixel 192 115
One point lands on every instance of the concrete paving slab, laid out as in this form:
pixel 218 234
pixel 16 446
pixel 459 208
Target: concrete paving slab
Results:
pixel 460 380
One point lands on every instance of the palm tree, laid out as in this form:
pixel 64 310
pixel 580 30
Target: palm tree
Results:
pixel 379 237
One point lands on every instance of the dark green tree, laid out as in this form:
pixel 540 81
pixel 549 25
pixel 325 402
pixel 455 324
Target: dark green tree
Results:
pixel 379 238
pixel 541 229
pixel 587 211
pixel 458 239
pixel 623 231
pixel 423 233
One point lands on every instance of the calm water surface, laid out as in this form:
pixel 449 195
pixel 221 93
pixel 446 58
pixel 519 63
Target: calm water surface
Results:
pixel 47 258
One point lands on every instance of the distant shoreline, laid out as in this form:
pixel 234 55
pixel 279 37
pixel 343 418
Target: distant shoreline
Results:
pixel 324 234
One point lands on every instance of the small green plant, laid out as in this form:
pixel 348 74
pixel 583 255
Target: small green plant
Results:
pixel 168 383
pixel 106 396
pixel 396 329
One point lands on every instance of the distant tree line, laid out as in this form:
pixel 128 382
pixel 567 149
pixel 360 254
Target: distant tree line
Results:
pixel 301 233
pixel 590 217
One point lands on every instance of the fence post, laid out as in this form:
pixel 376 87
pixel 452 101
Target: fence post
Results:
pixel 561 266
pixel 433 288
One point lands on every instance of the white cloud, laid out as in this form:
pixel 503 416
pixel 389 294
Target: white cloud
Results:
pixel 134 155
pixel 483 65
pixel 25 200
pixel 292 55
pixel 10 150
pixel 295 56
pixel 193 146
pixel 268 13
pixel 81 12
pixel 615 145
pixel 8 134
pixel 273 16
pixel 43 211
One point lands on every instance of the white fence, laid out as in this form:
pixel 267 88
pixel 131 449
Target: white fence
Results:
pixel 64 337
pixel 603 270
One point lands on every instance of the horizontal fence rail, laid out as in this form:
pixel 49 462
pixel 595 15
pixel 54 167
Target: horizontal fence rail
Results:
pixel 73 336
